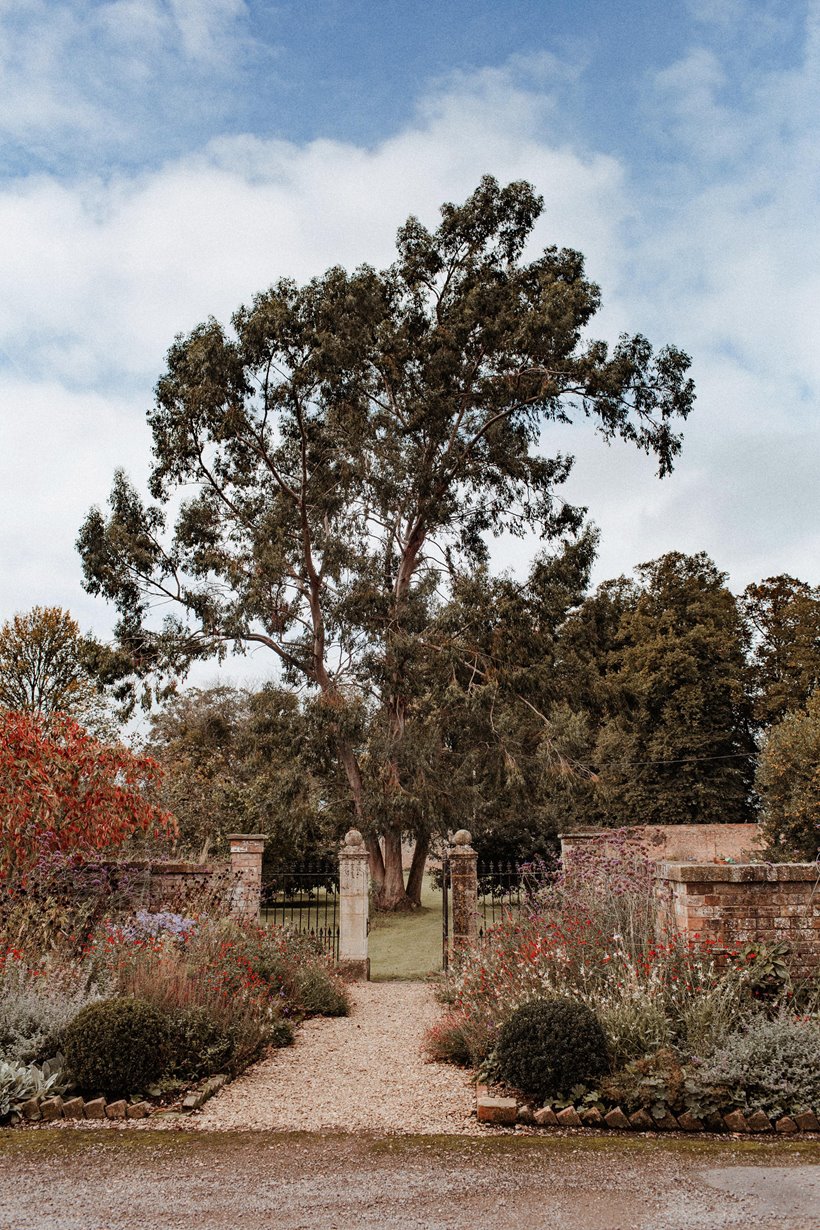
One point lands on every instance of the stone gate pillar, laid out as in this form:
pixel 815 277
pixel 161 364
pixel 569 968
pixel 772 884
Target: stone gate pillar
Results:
pixel 246 868
pixel 354 906
pixel 464 881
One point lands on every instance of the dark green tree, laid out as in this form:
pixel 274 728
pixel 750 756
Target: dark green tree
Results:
pixel 782 617
pixel 494 697
pixel 344 453
pixel 788 781
pixel 662 716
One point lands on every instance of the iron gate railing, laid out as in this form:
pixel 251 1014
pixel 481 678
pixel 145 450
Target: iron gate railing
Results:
pixel 304 897
pixel 502 890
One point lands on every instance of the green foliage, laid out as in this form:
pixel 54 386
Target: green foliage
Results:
pixel 448 1041
pixel 36 1006
pixel 199 1043
pixel 634 1024
pixel 766 970
pixel 658 708
pixel 289 966
pixel 117 1046
pixel 708 1017
pixel 788 781
pixel 495 679
pixel 655 1083
pixel 771 1065
pixel 281 1033
pixel 782 618
pixel 344 453
pixel 240 761
pixel 320 993
pixel 550 1045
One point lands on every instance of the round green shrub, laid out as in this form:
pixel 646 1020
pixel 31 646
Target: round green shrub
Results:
pixel 550 1045
pixel 117 1046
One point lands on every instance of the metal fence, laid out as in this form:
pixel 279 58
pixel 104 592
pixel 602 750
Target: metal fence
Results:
pixel 304 898
pixel 502 890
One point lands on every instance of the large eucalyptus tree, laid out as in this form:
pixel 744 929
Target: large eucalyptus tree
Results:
pixel 344 451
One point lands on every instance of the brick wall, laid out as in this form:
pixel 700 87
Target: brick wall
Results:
pixel 700 843
pixel 174 885
pixel 746 903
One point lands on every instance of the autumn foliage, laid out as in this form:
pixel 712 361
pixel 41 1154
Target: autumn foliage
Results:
pixel 63 790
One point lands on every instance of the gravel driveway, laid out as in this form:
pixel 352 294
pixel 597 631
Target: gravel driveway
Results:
pixel 362 1072
pixel 184 1180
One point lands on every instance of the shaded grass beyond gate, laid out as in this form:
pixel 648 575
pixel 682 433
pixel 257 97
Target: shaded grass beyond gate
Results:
pixel 407 944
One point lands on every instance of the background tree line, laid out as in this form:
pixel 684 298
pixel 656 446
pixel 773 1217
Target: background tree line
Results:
pixel 539 706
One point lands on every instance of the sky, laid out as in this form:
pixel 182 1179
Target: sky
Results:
pixel 163 160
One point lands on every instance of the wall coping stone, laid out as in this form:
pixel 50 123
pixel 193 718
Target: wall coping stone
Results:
pixel 738 873
pixel 201 869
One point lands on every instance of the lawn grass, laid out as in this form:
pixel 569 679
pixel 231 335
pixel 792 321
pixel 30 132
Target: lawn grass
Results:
pixel 408 944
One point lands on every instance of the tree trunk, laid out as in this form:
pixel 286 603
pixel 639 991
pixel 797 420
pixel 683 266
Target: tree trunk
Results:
pixel 376 861
pixel 392 895
pixel 415 879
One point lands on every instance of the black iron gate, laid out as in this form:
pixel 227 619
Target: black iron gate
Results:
pixel 304 897
pixel 501 892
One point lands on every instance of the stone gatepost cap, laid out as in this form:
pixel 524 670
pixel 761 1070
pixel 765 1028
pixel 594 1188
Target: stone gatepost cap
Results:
pixel 461 838
pixel 353 838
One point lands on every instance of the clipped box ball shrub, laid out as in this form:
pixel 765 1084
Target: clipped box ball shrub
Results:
pixel 117 1046
pixel 548 1046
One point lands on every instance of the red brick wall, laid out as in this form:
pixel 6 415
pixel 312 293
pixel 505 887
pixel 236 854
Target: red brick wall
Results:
pixel 746 903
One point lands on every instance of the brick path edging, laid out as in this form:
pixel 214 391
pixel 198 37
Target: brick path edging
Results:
pixel 508 1112
pixel 53 1109
pixel 49 1110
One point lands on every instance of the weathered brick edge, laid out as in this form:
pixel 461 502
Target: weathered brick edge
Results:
pixel 49 1110
pixel 507 1112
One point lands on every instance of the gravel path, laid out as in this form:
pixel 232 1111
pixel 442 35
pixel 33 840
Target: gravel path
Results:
pixel 364 1072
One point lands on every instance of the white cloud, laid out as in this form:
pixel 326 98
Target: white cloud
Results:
pixel 724 260
pixel 56 454
pixel 75 73
pixel 103 273
pixel 106 272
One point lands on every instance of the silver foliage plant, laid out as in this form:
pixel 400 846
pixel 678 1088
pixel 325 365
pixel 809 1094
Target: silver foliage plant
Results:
pixel 35 1007
pixel 21 1081
pixel 774 1065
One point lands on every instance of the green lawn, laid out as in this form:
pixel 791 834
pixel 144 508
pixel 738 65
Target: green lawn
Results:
pixel 407 945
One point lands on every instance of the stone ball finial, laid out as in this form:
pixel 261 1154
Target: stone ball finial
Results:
pixel 462 838
pixel 353 838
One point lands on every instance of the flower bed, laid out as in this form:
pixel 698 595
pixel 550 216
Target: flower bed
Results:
pixel 690 1030
pixel 146 1007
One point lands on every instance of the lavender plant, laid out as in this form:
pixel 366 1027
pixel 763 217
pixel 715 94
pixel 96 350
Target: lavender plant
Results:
pixel 37 1004
pixel 771 1065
